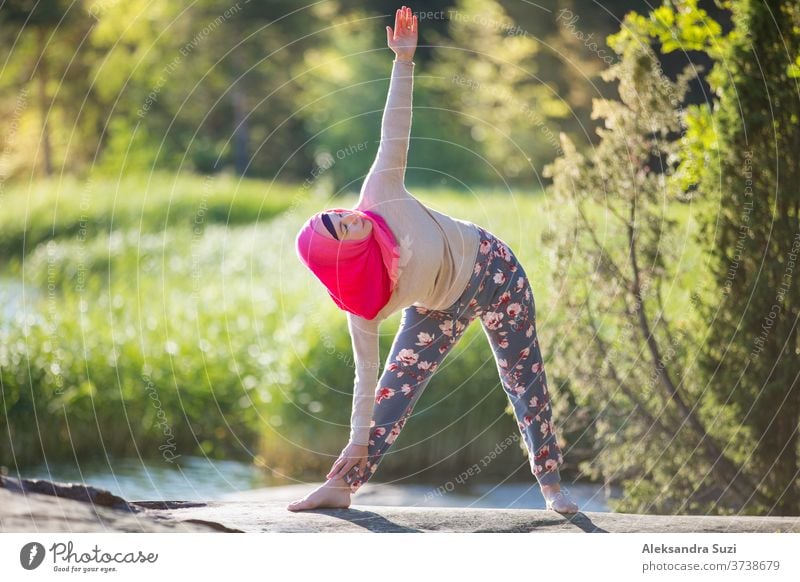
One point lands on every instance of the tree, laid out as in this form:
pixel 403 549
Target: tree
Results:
pixel 45 18
pixel 486 74
pixel 343 84
pixel 656 431
pixel 740 155
pixel 752 355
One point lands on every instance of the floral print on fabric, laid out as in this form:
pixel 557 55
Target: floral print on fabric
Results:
pixel 499 296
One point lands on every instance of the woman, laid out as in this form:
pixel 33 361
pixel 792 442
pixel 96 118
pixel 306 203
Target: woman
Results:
pixel 392 252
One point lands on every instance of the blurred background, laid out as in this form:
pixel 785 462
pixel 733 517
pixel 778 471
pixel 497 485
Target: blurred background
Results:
pixel 159 336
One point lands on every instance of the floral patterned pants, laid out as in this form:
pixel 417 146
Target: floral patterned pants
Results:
pixel 498 293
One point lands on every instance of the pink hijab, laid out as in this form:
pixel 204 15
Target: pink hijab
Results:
pixel 359 274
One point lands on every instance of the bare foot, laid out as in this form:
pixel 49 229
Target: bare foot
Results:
pixel 332 493
pixel 558 500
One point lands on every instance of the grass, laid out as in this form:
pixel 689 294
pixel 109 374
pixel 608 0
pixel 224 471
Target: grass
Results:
pixel 70 206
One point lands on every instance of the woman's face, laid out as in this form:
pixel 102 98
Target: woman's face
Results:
pixel 346 225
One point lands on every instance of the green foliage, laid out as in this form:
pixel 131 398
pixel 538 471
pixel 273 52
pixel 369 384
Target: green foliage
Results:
pixel 489 77
pixel 793 69
pixel 121 327
pixel 700 147
pixel 748 460
pixel 344 84
pixel 753 349
pixel 137 85
pixel 274 89
pixel 737 155
pixel 623 254
pixel 676 24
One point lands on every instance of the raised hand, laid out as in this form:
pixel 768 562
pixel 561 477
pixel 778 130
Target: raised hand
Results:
pixel 403 39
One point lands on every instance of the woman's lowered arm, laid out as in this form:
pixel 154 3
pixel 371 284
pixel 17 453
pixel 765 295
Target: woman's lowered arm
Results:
pixel 364 337
pixel 364 334
pixel 390 161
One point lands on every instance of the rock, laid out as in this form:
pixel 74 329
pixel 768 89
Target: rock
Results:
pixel 272 516
pixel 50 509
pixel 43 506
pixel 35 512
pixel 76 491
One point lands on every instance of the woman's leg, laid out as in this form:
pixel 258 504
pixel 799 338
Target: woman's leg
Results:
pixel 422 341
pixel 508 318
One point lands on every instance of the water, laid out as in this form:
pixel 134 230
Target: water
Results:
pixel 195 479
pixel 11 294
pixel 203 479
pixel 588 496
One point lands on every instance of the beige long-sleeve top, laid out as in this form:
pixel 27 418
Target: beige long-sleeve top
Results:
pixel 437 252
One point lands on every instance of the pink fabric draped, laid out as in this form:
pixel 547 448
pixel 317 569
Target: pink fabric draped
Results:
pixel 359 274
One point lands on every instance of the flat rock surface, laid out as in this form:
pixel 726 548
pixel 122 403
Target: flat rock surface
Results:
pixel 507 496
pixel 272 516
pixel 37 512
pixel 41 506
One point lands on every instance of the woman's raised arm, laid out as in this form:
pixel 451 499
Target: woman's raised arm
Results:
pixel 390 161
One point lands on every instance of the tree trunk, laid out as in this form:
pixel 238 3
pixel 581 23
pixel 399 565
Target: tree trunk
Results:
pixel 42 75
pixel 738 482
pixel 241 131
